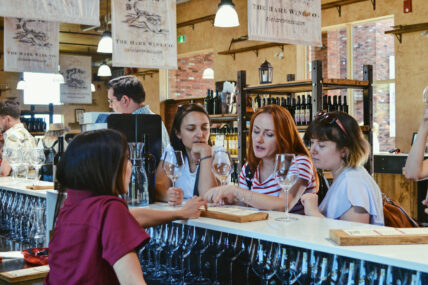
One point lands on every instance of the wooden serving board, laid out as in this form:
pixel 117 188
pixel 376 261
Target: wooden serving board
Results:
pixel 379 236
pixel 39 187
pixel 234 214
pixel 25 274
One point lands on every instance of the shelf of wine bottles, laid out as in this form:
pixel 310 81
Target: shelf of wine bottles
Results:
pixel 183 254
pixel 34 125
pixel 218 103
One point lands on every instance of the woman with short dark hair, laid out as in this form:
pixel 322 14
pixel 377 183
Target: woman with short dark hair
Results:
pixel 95 238
pixel 337 144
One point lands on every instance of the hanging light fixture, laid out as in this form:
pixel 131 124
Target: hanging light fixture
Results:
pixel 208 73
pixel 226 15
pixel 92 87
pixel 21 84
pixel 104 70
pixel 105 45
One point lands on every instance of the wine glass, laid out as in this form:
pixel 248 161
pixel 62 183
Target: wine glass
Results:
pixel 172 164
pixel 263 260
pixel 37 158
pixel 222 166
pixel 14 159
pixel 286 174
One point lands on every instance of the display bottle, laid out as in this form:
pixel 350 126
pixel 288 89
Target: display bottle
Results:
pixel 329 104
pixel 308 110
pixel 297 111
pixel 258 102
pixel 345 105
pixel 303 111
pixel 207 101
pixel 214 104
pixel 339 103
pixel 212 135
pixel 58 156
pixel 324 103
pixel 149 163
pixel 335 108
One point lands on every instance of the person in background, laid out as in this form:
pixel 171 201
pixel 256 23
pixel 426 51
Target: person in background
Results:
pixel 273 131
pixel 190 134
pixel 126 95
pixel 338 145
pixel 50 145
pixel 416 167
pixel 94 172
pixel 15 134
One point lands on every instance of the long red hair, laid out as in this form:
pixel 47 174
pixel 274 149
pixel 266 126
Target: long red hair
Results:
pixel 286 134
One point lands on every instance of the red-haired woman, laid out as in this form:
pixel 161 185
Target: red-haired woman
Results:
pixel 272 131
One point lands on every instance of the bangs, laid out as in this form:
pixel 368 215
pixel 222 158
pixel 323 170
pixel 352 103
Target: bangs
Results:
pixel 322 132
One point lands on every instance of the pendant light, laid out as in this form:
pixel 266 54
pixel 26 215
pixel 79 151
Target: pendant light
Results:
pixel 21 84
pixel 105 45
pixel 226 15
pixel 58 77
pixel 92 87
pixel 104 70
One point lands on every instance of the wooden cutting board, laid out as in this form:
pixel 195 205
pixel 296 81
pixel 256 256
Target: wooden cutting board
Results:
pixel 379 236
pixel 25 274
pixel 39 187
pixel 234 214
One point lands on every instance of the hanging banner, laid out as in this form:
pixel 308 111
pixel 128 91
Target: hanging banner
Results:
pixel 65 11
pixel 31 45
pixel 285 21
pixel 144 33
pixel 77 76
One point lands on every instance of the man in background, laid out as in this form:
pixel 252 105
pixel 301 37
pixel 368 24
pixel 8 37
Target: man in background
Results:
pixel 126 95
pixel 15 135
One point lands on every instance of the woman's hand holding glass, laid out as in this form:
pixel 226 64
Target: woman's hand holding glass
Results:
pixel 175 196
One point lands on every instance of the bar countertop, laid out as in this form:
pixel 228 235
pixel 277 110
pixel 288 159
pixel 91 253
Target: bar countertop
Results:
pixel 313 233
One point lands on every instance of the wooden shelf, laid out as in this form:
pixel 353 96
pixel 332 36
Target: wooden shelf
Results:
pixel 399 30
pixel 306 86
pixel 255 48
pixel 196 21
pixel 339 3
pixel 224 117
pixel 37 133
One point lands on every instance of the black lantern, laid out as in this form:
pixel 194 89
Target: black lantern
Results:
pixel 266 72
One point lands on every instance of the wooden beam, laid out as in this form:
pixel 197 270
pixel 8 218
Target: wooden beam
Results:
pixel 196 21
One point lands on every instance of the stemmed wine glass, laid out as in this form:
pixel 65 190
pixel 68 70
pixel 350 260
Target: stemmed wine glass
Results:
pixel 286 174
pixel 14 159
pixel 173 164
pixel 222 166
pixel 263 260
pixel 37 158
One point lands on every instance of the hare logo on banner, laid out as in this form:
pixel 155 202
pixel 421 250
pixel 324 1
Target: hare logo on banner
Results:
pixel 30 45
pixel 65 11
pixel 144 33
pixel 285 21
pixel 77 76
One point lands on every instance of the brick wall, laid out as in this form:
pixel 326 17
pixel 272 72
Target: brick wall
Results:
pixel 370 46
pixel 187 81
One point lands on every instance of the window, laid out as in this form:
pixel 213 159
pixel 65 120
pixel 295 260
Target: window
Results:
pixel 41 89
pixel 346 48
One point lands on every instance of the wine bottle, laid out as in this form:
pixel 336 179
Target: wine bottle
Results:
pixel 283 102
pixel 345 105
pixel 339 103
pixel 293 107
pixel 258 102
pixel 215 104
pixel 324 103
pixel 329 104
pixel 207 101
pixel 303 111
pixel 297 112
pixel 58 156
pixel 149 164
pixel 334 107
pixel 308 111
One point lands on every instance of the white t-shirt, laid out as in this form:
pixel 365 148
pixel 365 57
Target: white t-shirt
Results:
pixel 186 181
pixel 353 187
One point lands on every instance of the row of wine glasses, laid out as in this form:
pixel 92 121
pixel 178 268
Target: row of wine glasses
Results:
pixel 181 254
pixel 23 219
pixel 22 158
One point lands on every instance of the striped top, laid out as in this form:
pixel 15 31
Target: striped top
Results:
pixel 271 187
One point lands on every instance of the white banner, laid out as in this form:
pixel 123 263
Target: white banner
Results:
pixel 65 11
pixel 285 21
pixel 77 76
pixel 144 33
pixel 31 45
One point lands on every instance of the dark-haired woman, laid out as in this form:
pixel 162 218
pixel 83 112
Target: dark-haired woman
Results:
pixel 189 134
pixel 96 237
pixel 337 144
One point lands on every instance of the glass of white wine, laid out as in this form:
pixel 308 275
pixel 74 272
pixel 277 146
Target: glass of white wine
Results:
pixel 222 166
pixel 173 164
pixel 285 175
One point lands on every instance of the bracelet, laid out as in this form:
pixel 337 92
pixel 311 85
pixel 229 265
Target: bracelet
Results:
pixel 205 157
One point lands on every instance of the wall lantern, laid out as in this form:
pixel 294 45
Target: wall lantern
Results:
pixel 266 72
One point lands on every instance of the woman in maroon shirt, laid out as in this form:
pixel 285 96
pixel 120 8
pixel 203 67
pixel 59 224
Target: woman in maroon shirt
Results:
pixel 95 238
